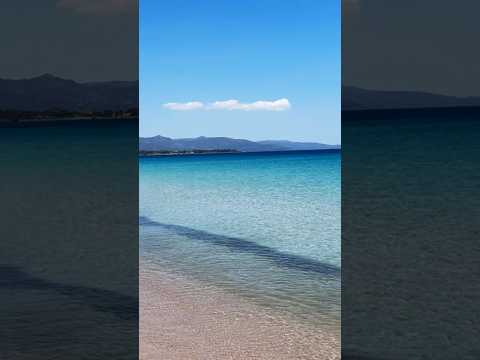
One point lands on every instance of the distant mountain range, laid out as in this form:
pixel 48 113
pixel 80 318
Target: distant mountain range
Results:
pixel 161 143
pixel 354 98
pixel 48 92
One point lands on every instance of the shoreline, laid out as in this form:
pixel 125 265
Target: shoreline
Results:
pixel 62 122
pixel 183 319
pixel 185 152
pixel 140 155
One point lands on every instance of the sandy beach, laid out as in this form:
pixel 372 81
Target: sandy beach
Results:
pixel 184 320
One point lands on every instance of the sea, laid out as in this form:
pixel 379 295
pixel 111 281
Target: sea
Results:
pixel 410 231
pixel 262 226
pixel 69 240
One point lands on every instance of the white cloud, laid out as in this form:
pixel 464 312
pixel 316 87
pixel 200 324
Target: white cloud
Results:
pixel 277 105
pixel 192 105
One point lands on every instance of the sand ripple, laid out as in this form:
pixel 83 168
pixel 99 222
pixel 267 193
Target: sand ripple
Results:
pixel 184 320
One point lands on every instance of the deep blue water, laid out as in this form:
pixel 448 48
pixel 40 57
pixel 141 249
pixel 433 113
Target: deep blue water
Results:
pixel 410 210
pixel 69 240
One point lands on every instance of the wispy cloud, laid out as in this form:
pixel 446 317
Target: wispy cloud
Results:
pixel 276 105
pixel 192 105
pixel 101 7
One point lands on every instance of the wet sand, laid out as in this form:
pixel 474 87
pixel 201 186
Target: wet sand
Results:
pixel 184 320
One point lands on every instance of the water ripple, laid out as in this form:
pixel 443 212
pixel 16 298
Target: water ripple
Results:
pixel 281 259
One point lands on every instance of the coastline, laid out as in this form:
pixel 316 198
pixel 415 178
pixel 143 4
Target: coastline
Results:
pixel 62 122
pixel 184 319
pixel 159 154
pixel 144 153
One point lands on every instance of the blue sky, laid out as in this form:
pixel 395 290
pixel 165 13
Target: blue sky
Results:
pixel 195 55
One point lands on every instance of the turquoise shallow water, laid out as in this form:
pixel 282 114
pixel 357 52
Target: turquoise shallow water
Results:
pixel 263 226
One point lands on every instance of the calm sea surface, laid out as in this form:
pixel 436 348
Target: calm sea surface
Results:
pixel 263 226
pixel 410 249
pixel 69 240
